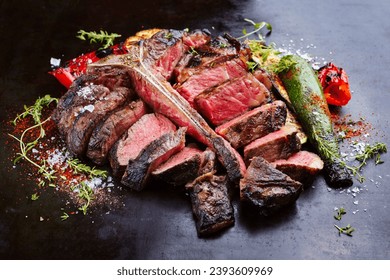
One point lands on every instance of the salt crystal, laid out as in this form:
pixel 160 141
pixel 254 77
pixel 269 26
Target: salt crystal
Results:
pixel 89 108
pixel 55 62
pixel 356 202
pixel 41 219
pixel 354 212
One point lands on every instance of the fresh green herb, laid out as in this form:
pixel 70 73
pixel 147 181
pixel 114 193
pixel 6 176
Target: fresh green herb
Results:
pixel 103 37
pixel 372 152
pixel 285 64
pixel 340 212
pixel 34 196
pixel 193 51
pixel 252 65
pixel 222 45
pixel 91 172
pixel 345 230
pixel 64 216
pixel 168 35
pixel 261 51
pixel 35 111
pixel 86 195
pixel 257 26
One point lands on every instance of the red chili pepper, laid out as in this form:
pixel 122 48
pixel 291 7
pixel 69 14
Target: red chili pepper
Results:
pixel 77 66
pixel 334 81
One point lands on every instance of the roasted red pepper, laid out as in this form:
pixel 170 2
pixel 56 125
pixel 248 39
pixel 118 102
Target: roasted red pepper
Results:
pixel 335 84
pixel 77 66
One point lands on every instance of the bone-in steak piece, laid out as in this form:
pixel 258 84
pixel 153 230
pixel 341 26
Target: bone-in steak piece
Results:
pixel 231 99
pixel 147 129
pixel 254 124
pixel 300 166
pixel 112 128
pixel 267 188
pixel 279 144
pixel 211 204
pixel 138 170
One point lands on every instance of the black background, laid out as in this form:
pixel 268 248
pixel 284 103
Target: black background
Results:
pixel 158 223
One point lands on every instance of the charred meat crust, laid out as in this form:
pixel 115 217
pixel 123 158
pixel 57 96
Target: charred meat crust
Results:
pixel 267 188
pixel 138 170
pixel 254 124
pixel 211 204
pixel 112 128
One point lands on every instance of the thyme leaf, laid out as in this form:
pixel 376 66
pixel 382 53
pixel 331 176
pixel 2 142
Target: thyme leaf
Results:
pixel 340 212
pixel 64 216
pixel 34 196
pixel 101 37
pixel 86 194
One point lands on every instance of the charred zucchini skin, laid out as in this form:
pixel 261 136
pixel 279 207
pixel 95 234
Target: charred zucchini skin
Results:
pixel 312 110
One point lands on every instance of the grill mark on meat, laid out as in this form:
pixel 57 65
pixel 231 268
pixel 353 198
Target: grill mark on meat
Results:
pixel 111 78
pixel 109 131
pixel 301 166
pixel 279 144
pixel 148 128
pixel 211 204
pixel 254 124
pixel 231 99
pixel 79 134
pixel 158 151
pixel 209 77
pixel 267 188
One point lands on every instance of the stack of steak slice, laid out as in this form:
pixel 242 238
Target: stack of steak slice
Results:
pixel 135 110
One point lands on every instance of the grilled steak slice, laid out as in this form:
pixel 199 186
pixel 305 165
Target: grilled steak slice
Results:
pixel 263 77
pixel 182 167
pixel 208 163
pixel 267 188
pixel 110 130
pixel 254 124
pixel 301 166
pixel 211 205
pixel 165 48
pixel 138 170
pixel 74 101
pixel 231 99
pixel 211 76
pixel 279 144
pixel 109 77
pixel 147 129
pixel 79 134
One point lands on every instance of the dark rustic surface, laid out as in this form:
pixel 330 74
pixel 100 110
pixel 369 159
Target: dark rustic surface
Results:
pixel 158 223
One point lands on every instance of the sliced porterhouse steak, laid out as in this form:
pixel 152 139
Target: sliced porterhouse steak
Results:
pixel 276 145
pixel 112 128
pixel 74 101
pixel 159 94
pixel 231 99
pixel 211 204
pixel 254 124
pixel 300 166
pixel 211 76
pixel 267 188
pixel 90 116
pixel 138 170
pixel 148 128
pixel 181 168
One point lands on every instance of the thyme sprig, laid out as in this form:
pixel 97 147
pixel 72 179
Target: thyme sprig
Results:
pixel 91 172
pixel 35 111
pixel 347 230
pixel 87 195
pixel 102 37
pixel 258 26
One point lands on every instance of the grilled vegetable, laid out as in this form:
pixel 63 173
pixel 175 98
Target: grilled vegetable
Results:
pixel 334 81
pixel 310 105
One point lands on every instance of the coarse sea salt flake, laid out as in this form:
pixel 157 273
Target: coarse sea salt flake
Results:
pixel 55 62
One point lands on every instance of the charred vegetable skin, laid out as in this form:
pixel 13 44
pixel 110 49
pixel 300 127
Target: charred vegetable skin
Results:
pixel 334 81
pixel 310 105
